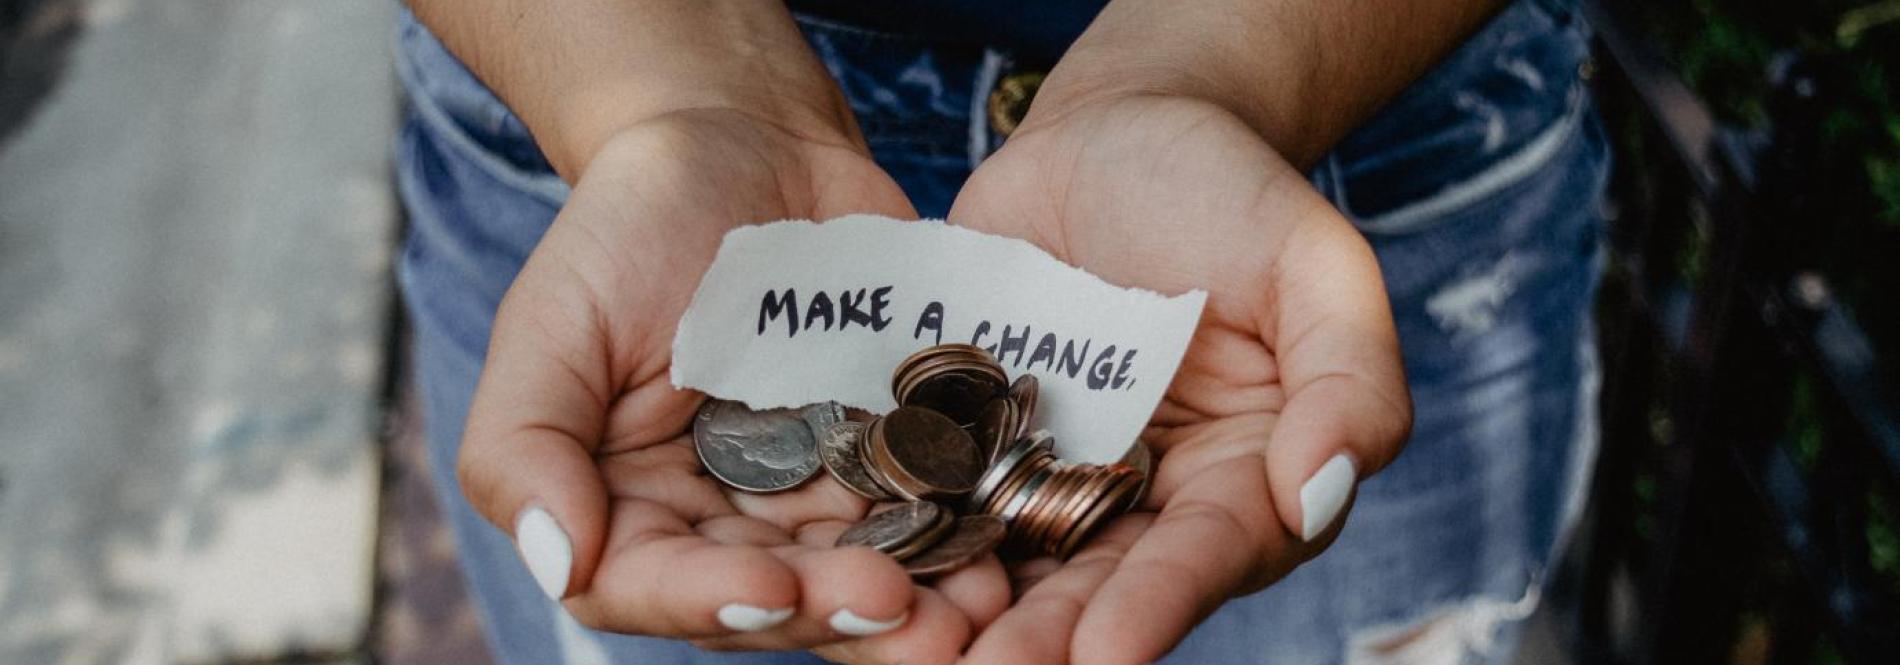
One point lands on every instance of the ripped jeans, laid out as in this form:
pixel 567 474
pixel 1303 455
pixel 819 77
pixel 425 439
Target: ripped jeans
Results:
pixel 1478 188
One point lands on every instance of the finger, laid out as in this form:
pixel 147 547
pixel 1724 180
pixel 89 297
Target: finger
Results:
pixel 1348 411
pixel 659 577
pixel 980 590
pixel 936 633
pixel 819 499
pixel 525 461
pixel 1206 546
pixel 1035 630
pixel 845 594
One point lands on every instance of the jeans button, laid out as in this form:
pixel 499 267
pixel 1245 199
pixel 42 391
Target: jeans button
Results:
pixel 1009 102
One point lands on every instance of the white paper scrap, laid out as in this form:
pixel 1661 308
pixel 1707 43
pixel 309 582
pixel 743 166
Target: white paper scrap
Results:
pixel 796 312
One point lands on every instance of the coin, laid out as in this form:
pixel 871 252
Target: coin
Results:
pixel 755 451
pixel 838 448
pixel 926 455
pixel 946 522
pixel 821 416
pixel 974 535
pixel 996 428
pixel 893 529
pixel 1118 499
pixel 1023 394
pixel 1141 457
pixel 1018 497
pixel 958 394
pixel 999 470
pixel 910 363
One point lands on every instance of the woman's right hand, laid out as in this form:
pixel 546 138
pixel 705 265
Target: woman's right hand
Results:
pixel 579 447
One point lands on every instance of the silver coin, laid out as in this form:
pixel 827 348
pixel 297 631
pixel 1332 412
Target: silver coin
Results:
pixel 838 447
pixel 821 417
pixel 893 530
pixel 755 451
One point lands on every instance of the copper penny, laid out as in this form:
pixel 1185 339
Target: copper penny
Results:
pixel 1065 516
pixel 958 392
pixel 910 362
pixel 877 461
pixel 1023 394
pixel 1141 458
pixel 1117 501
pixel 974 536
pixel 996 429
pixel 929 456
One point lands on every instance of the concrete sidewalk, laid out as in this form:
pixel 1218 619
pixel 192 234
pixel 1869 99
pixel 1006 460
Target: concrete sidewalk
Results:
pixel 195 305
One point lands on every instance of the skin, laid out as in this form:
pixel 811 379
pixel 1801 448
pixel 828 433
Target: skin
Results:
pixel 1161 153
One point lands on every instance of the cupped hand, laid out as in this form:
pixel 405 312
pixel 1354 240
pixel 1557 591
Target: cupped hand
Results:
pixel 1290 391
pixel 578 445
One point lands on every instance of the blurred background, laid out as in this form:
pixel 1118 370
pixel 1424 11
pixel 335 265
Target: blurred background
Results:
pixel 207 455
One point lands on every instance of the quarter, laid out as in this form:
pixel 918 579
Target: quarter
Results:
pixel 755 451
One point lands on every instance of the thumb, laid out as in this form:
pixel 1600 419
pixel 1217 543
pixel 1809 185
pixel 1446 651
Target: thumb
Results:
pixel 1348 411
pixel 526 461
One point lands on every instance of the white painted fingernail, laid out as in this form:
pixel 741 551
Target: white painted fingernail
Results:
pixel 545 548
pixel 749 619
pixel 1324 494
pixel 844 621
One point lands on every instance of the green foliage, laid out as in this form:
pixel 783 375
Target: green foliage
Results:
pixel 1722 49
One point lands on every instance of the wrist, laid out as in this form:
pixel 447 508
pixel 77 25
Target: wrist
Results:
pixel 1248 69
pixel 585 121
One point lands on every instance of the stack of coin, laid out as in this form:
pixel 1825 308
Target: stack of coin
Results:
pixel 960 437
pixel 956 380
pixel 1052 506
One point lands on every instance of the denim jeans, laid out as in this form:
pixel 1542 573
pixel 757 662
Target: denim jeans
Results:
pixel 1478 189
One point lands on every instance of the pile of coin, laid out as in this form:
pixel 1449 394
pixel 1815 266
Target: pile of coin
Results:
pixel 957 454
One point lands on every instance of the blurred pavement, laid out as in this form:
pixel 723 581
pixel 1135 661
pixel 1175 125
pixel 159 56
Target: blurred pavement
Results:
pixel 195 310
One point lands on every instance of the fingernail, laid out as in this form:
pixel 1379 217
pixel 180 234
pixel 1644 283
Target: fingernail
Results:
pixel 545 548
pixel 1324 494
pixel 844 621
pixel 749 619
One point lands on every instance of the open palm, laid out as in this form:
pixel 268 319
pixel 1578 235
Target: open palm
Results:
pixel 576 416
pixel 1295 362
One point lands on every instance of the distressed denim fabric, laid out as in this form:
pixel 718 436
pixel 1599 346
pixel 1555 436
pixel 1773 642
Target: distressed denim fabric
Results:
pixel 1477 188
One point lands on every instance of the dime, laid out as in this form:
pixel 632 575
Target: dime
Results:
pixel 1018 497
pixel 896 528
pixel 1023 394
pixel 1000 470
pixel 927 455
pixel 755 451
pixel 974 535
pixel 839 450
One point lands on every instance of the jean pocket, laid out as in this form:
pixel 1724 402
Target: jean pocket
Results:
pixel 1505 97
pixel 469 120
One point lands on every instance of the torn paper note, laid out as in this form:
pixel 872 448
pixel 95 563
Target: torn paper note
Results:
pixel 792 313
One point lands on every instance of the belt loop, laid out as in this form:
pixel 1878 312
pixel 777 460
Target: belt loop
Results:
pixel 986 76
